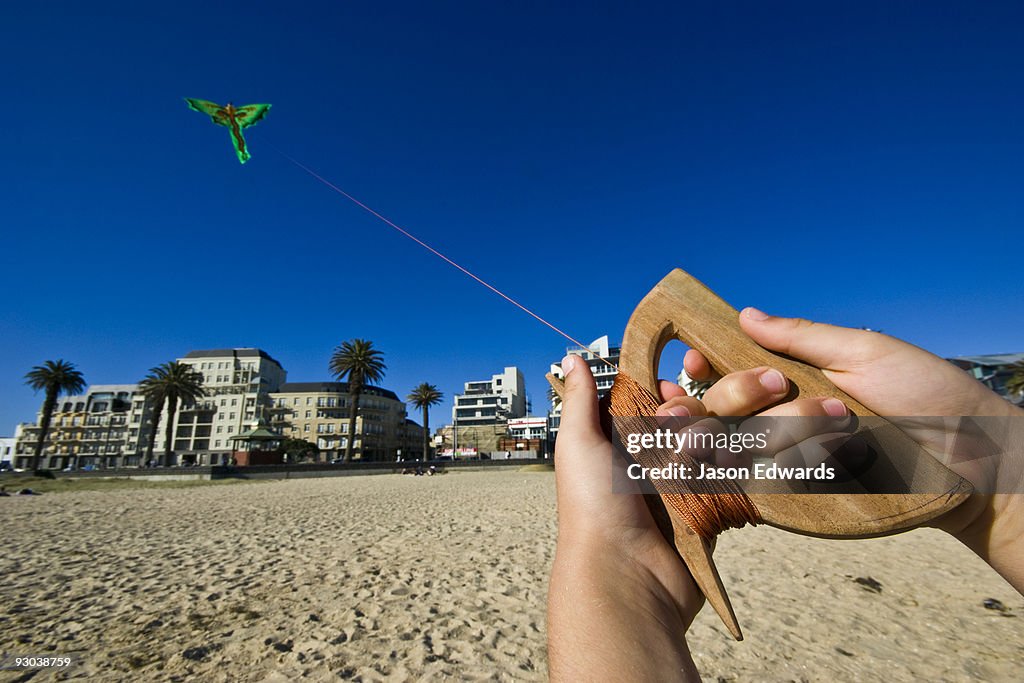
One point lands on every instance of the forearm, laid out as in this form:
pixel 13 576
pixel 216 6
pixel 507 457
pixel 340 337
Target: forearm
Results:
pixel 610 620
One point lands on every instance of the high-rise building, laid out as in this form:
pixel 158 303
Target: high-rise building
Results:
pixel 238 384
pixel 481 413
pixel 491 402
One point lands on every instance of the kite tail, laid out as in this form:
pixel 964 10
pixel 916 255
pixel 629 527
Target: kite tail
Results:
pixel 240 147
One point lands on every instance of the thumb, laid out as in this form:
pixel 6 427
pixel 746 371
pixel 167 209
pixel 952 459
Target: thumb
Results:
pixel 580 417
pixel 824 346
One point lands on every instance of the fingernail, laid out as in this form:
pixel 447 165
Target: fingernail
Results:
pixel 834 407
pixel 678 411
pixel 568 364
pixel 773 381
pixel 754 314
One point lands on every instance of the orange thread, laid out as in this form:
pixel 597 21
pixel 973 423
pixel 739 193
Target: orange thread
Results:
pixel 708 506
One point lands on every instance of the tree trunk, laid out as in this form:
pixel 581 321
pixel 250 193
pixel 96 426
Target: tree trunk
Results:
pixel 426 432
pixel 172 408
pixel 49 403
pixel 354 392
pixel 151 441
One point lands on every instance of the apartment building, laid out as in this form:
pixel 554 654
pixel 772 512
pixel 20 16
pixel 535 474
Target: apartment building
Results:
pixel 604 376
pixel 318 412
pixel 491 402
pixel 238 384
pixel 101 428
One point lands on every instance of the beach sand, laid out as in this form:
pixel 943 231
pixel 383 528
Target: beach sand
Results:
pixel 395 578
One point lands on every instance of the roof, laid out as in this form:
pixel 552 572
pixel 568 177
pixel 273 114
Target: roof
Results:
pixel 992 359
pixel 260 434
pixel 232 353
pixel 331 388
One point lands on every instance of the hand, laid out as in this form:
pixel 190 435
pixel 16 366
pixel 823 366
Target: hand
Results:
pixel 894 378
pixel 619 591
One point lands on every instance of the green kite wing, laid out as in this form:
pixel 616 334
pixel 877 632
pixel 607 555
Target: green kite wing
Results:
pixel 251 114
pixel 233 118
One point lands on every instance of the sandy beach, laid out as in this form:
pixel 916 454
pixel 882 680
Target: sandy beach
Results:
pixel 397 578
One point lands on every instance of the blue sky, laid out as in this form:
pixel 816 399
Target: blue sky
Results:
pixel 858 163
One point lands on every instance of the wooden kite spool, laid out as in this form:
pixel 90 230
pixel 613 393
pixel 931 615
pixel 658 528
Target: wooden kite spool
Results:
pixel 680 307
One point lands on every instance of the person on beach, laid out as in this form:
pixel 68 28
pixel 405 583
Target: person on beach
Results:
pixel 616 582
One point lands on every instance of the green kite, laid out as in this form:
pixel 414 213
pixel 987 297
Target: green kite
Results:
pixel 233 118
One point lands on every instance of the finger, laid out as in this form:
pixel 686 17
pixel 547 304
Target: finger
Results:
pixel 790 423
pixel 580 422
pixel 670 390
pixel 824 346
pixel 697 367
pixel 745 392
pixel 681 406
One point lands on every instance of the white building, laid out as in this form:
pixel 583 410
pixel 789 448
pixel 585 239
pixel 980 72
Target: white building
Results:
pixel 595 354
pixel 491 402
pixel 528 428
pixel 7 449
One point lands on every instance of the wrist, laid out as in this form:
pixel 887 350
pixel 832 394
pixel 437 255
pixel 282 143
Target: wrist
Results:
pixel 609 618
pixel 994 526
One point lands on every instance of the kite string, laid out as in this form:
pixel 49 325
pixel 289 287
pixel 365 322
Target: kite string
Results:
pixel 433 251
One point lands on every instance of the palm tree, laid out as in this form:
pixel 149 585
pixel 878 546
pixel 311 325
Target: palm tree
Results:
pixel 1015 385
pixel 362 364
pixel 55 377
pixel 153 392
pixel 170 382
pixel 422 397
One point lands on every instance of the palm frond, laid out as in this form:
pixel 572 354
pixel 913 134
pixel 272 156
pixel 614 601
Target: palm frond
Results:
pixel 59 376
pixel 357 361
pixel 424 395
